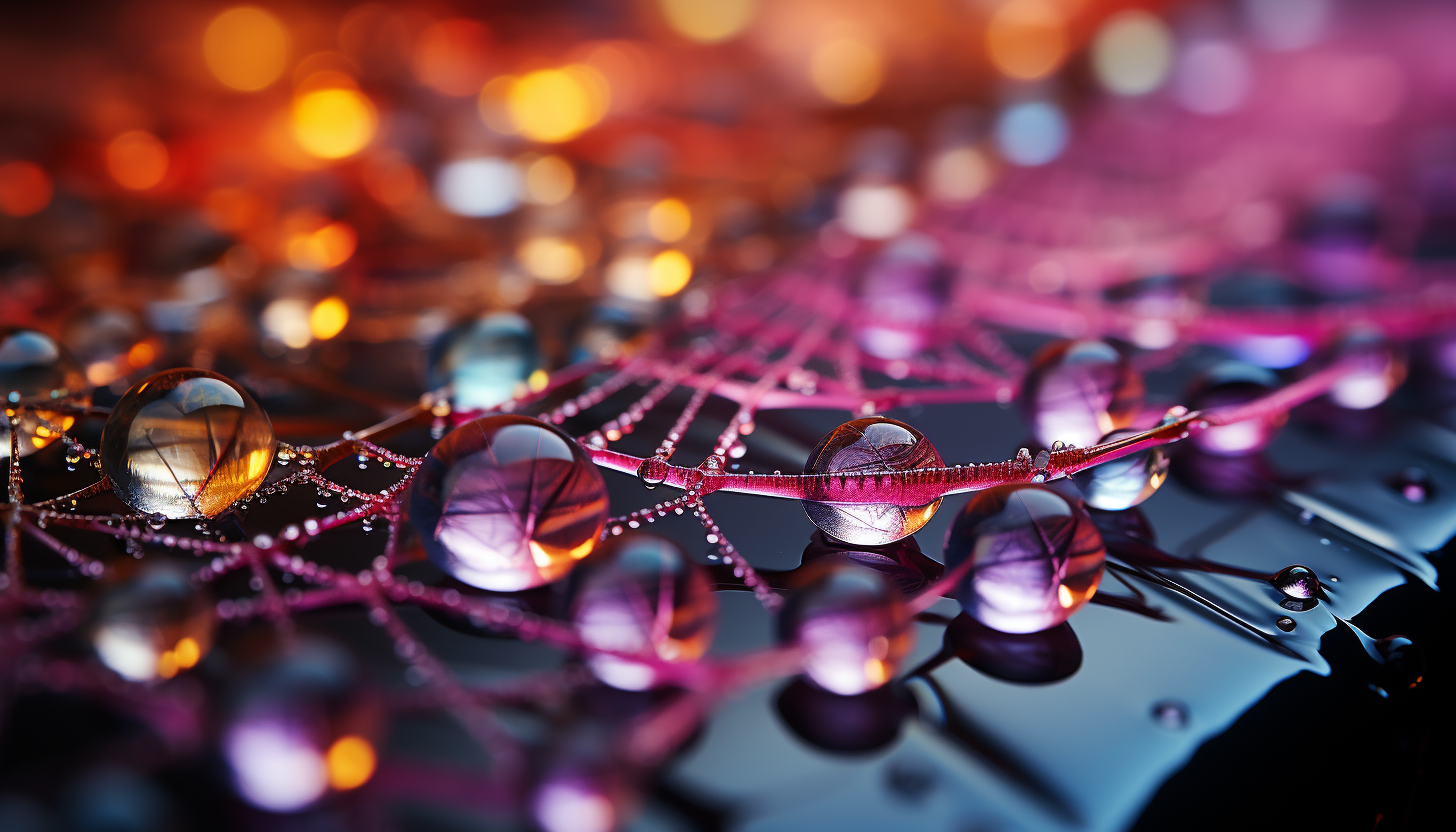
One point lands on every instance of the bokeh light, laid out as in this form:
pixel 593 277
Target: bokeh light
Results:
pixel 1132 53
pixel 137 160
pixel 246 48
pixel 551 259
pixel 557 105
pixel 1032 133
pixel 333 123
pixel 451 57
pixel 350 762
pixel 708 21
pixel 483 187
pixel 328 318
pixel 547 180
pixel 876 211
pixel 1027 39
pixel 25 188
pixel 957 174
pixel 669 273
pixel 847 67
pixel 322 249
pixel 669 220
pixel 1213 77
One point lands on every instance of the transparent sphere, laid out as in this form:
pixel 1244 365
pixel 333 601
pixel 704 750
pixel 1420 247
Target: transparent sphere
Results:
pixel 1035 558
pixel 485 361
pixel 35 370
pixel 302 725
pixel 153 626
pixel 186 443
pixel 852 626
pixel 1231 383
pixel 1123 483
pixel 507 503
pixel 877 445
pixel 1078 391
pixel 643 595
pixel 1297 583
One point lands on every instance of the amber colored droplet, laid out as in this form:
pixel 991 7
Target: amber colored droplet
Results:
pixel 38 371
pixel 186 443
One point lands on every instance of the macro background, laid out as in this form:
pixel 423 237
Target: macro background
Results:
pixel 310 198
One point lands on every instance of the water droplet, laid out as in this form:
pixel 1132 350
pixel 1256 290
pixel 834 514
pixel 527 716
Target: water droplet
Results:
pixel 1414 484
pixel 485 361
pixel 154 626
pixel 1037 558
pixel 653 471
pixel 1297 582
pixel 1077 391
pixel 872 445
pixel 475 485
pixel 1285 623
pixel 1126 482
pixel 643 595
pixel 36 370
pixel 1233 383
pixel 186 443
pixel 852 626
pixel 1171 715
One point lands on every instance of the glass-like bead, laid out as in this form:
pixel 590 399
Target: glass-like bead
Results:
pixel 507 503
pixel 852 625
pixel 643 595
pixel 153 626
pixel 302 725
pixel 1036 558
pixel 1124 482
pixel 1078 391
pixel 1377 368
pixel 485 361
pixel 186 443
pixel 35 371
pixel 1232 383
pixel 871 445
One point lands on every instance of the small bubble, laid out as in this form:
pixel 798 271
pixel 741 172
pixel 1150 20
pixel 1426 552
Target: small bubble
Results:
pixel 1171 715
pixel 1286 624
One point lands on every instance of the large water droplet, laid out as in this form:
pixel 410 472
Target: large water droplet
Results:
pixel 507 503
pixel 1037 558
pixel 1123 483
pixel 852 626
pixel 1078 391
pixel 872 445
pixel 35 370
pixel 1298 583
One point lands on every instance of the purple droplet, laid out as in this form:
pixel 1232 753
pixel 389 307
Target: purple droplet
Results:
pixel 1078 391
pixel 852 626
pixel 1037 558
pixel 872 445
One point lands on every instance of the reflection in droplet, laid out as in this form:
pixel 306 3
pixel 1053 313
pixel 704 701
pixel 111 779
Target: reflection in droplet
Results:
pixel 507 503
pixel 1298 583
pixel 875 444
pixel 1036 558
pixel 1286 624
pixel 186 443
pixel 1079 391
pixel 35 370
pixel 643 595
pixel 1123 483
pixel 852 626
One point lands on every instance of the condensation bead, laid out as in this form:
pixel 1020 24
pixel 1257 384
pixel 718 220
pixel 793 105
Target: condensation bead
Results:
pixel 871 445
pixel 1125 482
pixel 1078 391
pixel 1232 383
pixel 643 595
pixel 303 725
pixel 186 443
pixel 153 626
pixel 507 503
pixel 35 370
pixel 485 361
pixel 852 625
pixel 1036 558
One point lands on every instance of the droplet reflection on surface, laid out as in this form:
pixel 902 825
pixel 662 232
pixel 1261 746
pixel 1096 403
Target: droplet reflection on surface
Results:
pixel 507 503
pixel 643 595
pixel 871 445
pixel 186 443
pixel 1036 558
pixel 154 626
pixel 852 626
